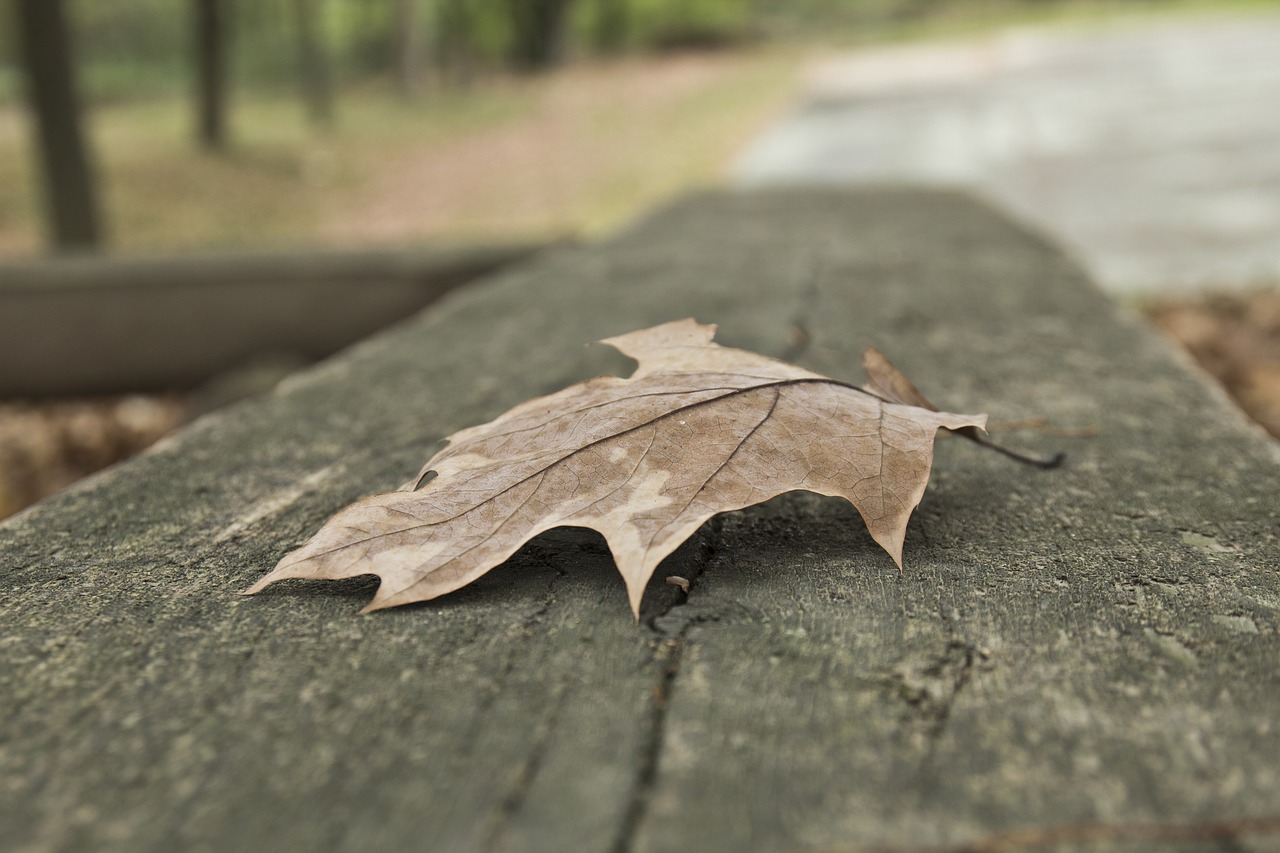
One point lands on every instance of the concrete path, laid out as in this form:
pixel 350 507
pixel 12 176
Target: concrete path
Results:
pixel 1152 152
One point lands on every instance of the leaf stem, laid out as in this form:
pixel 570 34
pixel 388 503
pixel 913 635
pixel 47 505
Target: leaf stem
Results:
pixel 1042 462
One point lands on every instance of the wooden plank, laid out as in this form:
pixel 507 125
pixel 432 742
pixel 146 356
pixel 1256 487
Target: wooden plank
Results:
pixel 82 325
pixel 1093 643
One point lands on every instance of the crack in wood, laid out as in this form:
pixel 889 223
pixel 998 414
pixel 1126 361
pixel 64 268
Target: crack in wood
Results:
pixel 931 691
pixel 513 801
pixel 673 628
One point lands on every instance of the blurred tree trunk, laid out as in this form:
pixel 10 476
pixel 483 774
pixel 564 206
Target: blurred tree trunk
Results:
pixel 313 63
pixel 211 73
pixel 68 179
pixel 409 47
pixel 538 27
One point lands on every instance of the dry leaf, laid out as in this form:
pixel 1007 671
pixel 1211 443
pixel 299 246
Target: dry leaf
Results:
pixel 698 429
pixel 677 581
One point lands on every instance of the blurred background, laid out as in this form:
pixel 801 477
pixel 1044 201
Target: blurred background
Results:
pixel 162 161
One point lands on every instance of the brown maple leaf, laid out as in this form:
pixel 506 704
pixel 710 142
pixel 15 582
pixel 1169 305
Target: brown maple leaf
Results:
pixel 697 430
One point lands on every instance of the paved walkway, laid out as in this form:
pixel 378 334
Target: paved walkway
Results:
pixel 1153 153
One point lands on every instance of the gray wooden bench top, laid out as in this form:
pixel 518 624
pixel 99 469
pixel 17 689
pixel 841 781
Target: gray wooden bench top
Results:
pixel 1095 643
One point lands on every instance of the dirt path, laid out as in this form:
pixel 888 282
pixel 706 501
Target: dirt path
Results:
pixel 599 143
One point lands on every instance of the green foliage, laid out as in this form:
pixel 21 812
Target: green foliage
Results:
pixel 141 48
pixel 8 42
pixel 612 26
pixel 128 48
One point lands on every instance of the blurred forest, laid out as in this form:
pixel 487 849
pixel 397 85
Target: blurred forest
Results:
pixel 225 123
pixel 133 48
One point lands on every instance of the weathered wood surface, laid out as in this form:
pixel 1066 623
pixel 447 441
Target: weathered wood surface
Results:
pixel 1095 643
pixel 92 325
